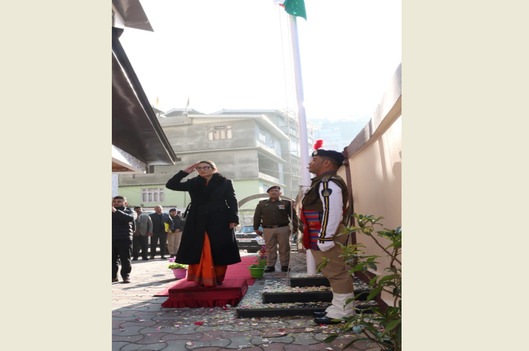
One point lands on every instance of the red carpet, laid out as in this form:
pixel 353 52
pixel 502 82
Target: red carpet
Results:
pixel 185 294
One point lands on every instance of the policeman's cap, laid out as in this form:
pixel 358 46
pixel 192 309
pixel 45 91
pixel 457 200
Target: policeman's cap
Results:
pixel 335 155
pixel 274 187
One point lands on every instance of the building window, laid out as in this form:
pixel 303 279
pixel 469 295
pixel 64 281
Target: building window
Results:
pixel 294 147
pixel 296 173
pixel 219 133
pixel 266 138
pixel 152 195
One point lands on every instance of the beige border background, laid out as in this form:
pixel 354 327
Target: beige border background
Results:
pixel 465 168
pixel 465 80
pixel 56 154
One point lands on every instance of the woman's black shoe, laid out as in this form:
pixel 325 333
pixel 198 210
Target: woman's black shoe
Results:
pixel 269 269
pixel 319 313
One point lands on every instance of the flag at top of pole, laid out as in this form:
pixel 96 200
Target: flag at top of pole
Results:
pixel 293 7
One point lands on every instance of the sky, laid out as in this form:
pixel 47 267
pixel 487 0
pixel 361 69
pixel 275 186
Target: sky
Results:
pixel 237 54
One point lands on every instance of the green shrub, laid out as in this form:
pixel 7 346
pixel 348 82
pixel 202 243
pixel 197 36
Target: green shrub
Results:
pixel 381 327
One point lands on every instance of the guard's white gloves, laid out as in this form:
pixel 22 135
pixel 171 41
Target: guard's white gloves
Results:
pixel 326 245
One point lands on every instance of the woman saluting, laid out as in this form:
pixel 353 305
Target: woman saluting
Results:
pixel 208 242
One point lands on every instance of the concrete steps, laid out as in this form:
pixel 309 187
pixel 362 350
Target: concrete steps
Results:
pixel 297 296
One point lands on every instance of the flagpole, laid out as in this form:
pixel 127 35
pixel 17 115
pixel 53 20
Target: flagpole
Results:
pixel 302 121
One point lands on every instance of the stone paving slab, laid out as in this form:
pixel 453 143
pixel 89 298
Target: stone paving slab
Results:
pixel 140 323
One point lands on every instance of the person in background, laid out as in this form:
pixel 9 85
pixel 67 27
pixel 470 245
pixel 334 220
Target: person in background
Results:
pixel 208 243
pixel 175 232
pixel 122 224
pixel 161 222
pixel 275 214
pixel 140 240
pixel 323 216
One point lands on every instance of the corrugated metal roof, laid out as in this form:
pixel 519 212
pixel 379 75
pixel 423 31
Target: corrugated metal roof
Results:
pixel 132 14
pixel 135 127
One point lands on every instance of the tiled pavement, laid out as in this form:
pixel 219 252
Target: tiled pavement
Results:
pixel 140 323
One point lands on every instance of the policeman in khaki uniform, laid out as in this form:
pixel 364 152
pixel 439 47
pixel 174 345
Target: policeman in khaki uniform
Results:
pixel 275 215
pixel 323 216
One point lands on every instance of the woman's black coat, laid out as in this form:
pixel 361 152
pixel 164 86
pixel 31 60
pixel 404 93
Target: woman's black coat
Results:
pixel 213 208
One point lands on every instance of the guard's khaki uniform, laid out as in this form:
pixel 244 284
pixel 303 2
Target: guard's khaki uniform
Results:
pixel 275 217
pixel 313 212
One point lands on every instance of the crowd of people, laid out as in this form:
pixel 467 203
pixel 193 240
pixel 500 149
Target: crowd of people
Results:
pixel 131 232
pixel 206 242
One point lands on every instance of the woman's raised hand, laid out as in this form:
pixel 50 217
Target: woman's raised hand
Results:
pixel 191 168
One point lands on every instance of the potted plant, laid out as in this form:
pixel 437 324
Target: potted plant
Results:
pixel 257 269
pixel 179 269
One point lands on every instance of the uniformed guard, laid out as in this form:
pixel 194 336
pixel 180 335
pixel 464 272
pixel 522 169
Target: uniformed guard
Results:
pixel 275 216
pixel 323 215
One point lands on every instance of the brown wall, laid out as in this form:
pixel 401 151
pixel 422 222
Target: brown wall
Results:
pixel 376 182
pixel 375 167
